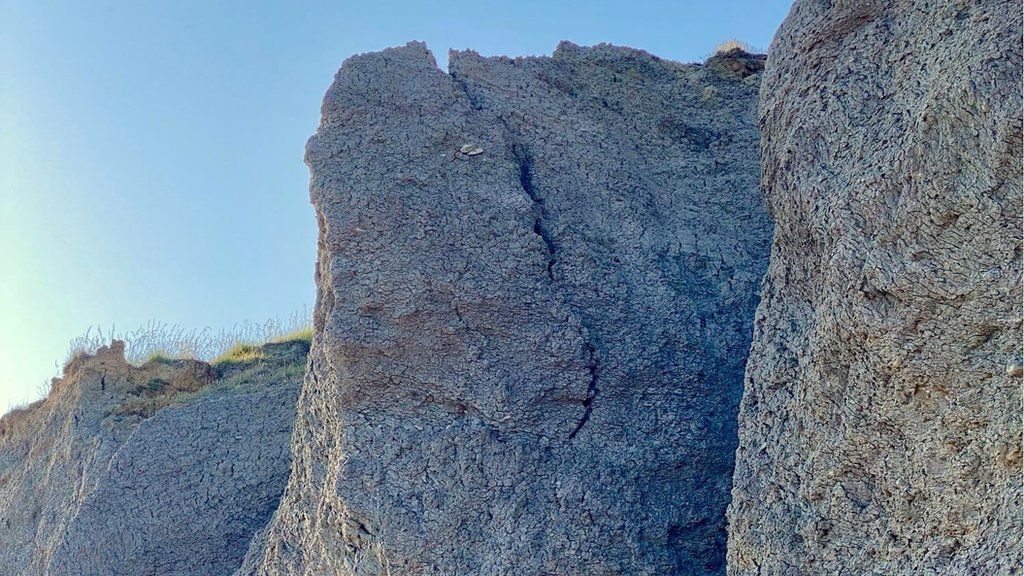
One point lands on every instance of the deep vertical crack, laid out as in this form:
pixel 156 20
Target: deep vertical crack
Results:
pixel 594 367
pixel 541 218
pixel 540 212
pixel 524 163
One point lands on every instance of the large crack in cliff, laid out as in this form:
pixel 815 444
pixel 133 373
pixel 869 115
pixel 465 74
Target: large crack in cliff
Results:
pixel 594 366
pixel 524 163
pixel 524 166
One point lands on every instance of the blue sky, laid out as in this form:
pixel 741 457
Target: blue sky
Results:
pixel 151 152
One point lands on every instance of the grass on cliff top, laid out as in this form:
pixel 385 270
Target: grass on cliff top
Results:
pixel 160 342
pixel 156 396
pixel 255 374
pixel 241 352
pixel 732 44
pixel 300 335
pixel 164 343
pixel 158 356
pixel 248 352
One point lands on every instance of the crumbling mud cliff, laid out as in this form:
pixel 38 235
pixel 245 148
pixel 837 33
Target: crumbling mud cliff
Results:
pixel 537 280
pixel 168 468
pixel 880 430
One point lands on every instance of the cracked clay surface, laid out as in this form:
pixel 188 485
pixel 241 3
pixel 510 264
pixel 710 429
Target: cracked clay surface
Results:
pixel 528 358
pixel 880 431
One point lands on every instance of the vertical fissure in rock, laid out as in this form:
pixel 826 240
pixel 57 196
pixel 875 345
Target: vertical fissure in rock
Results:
pixel 594 367
pixel 524 165
pixel 524 162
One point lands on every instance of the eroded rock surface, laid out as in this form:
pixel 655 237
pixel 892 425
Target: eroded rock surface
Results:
pixel 880 431
pixel 165 469
pixel 537 280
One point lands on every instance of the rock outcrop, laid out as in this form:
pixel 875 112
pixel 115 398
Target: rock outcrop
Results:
pixel 169 468
pixel 880 430
pixel 537 280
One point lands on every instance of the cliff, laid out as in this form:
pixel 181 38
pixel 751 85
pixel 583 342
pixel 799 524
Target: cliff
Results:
pixel 536 285
pixel 549 338
pixel 880 430
pixel 168 468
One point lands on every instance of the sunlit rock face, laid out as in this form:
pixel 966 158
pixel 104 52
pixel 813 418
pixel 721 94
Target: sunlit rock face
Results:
pixel 537 280
pixel 880 431
pixel 169 468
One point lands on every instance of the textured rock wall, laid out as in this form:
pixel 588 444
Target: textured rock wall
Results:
pixel 536 280
pixel 53 452
pixel 880 430
pixel 92 481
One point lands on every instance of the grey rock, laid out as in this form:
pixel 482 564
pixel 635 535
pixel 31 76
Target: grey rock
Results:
pixel 528 360
pixel 101 478
pixel 54 451
pixel 880 431
pixel 187 491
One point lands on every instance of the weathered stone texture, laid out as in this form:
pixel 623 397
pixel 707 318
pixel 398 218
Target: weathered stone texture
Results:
pixel 880 430
pixel 53 452
pixel 94 482
pixel 527 361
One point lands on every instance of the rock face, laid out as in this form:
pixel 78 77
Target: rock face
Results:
pixel 99 478
pixel 880 430
pixel 537 280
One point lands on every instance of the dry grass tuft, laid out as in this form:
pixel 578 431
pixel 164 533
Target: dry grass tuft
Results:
pixel 733 44
pixel 157 341
pixel 304 334
pixel 241 352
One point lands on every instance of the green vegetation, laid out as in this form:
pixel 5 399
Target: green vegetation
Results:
pixel 239 353
pixel 301 335
pixel 154 396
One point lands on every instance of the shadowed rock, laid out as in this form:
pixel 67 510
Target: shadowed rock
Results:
pixel 880 431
